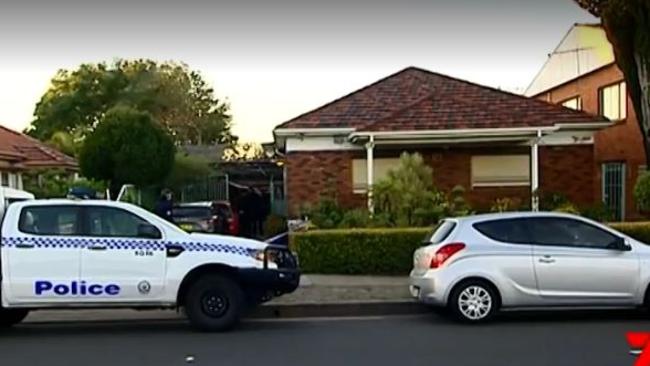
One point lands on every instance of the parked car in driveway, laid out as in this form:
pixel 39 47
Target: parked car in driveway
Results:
pixel 477 265
pixel 216 217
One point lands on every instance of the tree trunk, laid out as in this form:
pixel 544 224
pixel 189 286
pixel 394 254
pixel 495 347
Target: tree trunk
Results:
pixel 627 24
pixel 642 108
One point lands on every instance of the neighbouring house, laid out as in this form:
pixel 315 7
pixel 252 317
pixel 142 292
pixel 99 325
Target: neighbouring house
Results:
pixel 493 143
pixel 581 74
pixel 20 153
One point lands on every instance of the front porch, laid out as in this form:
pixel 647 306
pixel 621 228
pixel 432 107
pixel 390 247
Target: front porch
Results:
pixel 489 164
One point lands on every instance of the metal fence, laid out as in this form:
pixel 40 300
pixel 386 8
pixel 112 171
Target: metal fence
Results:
pixel 211 189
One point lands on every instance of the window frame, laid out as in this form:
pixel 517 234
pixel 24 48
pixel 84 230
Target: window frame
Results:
pixel 86 223
pixel 533 242
pixel 80 220
pixel 357 188
pixel 577 97
pixel 478 184
pixel 622 107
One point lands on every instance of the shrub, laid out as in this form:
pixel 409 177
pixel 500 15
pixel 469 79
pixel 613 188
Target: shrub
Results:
pixel 326 214
pixel 55 183
pixel 357 218
pixel 642 191
pixel 505 204
pixel 599 212
pixel 127 147
pixel 550 201
pixel 637 230
pixel 361 251
pixel 456 204
pixel 407 196
pixel 567 207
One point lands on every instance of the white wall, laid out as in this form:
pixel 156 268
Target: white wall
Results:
pixel 319 143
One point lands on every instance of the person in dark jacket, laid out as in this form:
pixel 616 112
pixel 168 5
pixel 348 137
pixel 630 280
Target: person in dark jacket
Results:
pixel 165 205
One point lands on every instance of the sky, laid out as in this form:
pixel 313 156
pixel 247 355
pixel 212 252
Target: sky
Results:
pixel 275 59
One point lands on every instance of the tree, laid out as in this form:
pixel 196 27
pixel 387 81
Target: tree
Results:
pixel 246 151
pixel 627 24
pixel 408 196
pixel 127 147
pixel 178 98
pixel 187 169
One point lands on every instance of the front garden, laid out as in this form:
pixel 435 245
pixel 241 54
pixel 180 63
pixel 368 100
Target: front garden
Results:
pixel 407 205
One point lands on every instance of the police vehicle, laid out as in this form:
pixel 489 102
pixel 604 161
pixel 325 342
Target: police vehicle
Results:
pixel 95 254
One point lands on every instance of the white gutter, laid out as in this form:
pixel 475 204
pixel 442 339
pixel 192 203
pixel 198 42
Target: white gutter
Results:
pixel 457 132
pixel 312 131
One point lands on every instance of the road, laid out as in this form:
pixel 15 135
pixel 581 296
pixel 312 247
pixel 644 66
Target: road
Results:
pixel 550 339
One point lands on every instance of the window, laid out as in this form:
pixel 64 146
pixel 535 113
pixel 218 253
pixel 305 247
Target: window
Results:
pixel 568 232
pixel 573 103
pixel 507 231
pixel 613 101
pixel 113 222
pixel 440 232
pixel 380 171
pixel 500 170
pixel 50 220
pixel 4 181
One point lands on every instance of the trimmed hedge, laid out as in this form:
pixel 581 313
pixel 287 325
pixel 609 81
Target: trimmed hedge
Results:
pixel 358 251
pixel 383 251
pixel 637 230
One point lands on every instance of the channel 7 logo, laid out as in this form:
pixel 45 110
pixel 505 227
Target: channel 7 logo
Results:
pixel 640 346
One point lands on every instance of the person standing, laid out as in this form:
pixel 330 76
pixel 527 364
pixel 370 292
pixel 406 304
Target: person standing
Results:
pixel 165 205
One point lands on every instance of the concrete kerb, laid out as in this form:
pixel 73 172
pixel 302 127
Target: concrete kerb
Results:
pixel 270 311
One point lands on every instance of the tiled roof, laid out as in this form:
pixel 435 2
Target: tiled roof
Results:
pixel 417 99
pixel 20 148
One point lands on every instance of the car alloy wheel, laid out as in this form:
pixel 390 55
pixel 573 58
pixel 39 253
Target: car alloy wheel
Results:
pixel 475 303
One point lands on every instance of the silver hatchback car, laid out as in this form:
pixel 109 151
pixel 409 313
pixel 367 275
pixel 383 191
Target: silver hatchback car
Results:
pixel 477 265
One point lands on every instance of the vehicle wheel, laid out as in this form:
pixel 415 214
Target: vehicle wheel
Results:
pixel 10 317
pixel 474 302
pixel 214 303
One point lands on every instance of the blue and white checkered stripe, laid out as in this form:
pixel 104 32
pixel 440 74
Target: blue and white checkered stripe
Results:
pixel 124 244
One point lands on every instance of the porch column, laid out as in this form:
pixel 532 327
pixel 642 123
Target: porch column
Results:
pixel 534 174
pixel 370 146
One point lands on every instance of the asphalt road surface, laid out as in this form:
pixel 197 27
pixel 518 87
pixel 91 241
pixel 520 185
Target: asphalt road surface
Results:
pixel 587 339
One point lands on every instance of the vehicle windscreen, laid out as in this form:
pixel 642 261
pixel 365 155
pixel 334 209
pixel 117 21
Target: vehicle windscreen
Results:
pixel 191 212
pixel 440 232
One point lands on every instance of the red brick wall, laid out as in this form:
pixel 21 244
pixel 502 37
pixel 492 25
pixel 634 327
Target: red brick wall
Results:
pixel 312 174
pixel 564 169
pixel 568 170
pixel 622 142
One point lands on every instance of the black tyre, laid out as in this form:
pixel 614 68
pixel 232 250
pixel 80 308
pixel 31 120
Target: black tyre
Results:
pixel 474 302
pixel 10 317
pixel 214 303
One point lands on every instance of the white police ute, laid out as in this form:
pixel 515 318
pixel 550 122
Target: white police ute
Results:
pixel 93 254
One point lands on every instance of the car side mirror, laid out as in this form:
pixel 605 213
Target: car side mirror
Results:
pixel 622 244
pixel 148 231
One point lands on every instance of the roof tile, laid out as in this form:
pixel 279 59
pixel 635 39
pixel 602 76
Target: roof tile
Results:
pixel 417 99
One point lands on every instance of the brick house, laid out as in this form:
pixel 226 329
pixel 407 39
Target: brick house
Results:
pixel 20 153
pixel 493 143
pixel 581 74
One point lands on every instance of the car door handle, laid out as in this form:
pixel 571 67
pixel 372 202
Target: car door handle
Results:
pixel 97 247
pixel 25 245
pixel 546 260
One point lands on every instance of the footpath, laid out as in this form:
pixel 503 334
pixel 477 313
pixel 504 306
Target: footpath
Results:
pixel 317 296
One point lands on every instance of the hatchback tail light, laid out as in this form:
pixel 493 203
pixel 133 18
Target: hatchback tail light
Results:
pixel 444 253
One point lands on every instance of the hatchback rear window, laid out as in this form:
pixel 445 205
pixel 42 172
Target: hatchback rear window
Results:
pixel 507 231
pixel 440 232
pixel 191 212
